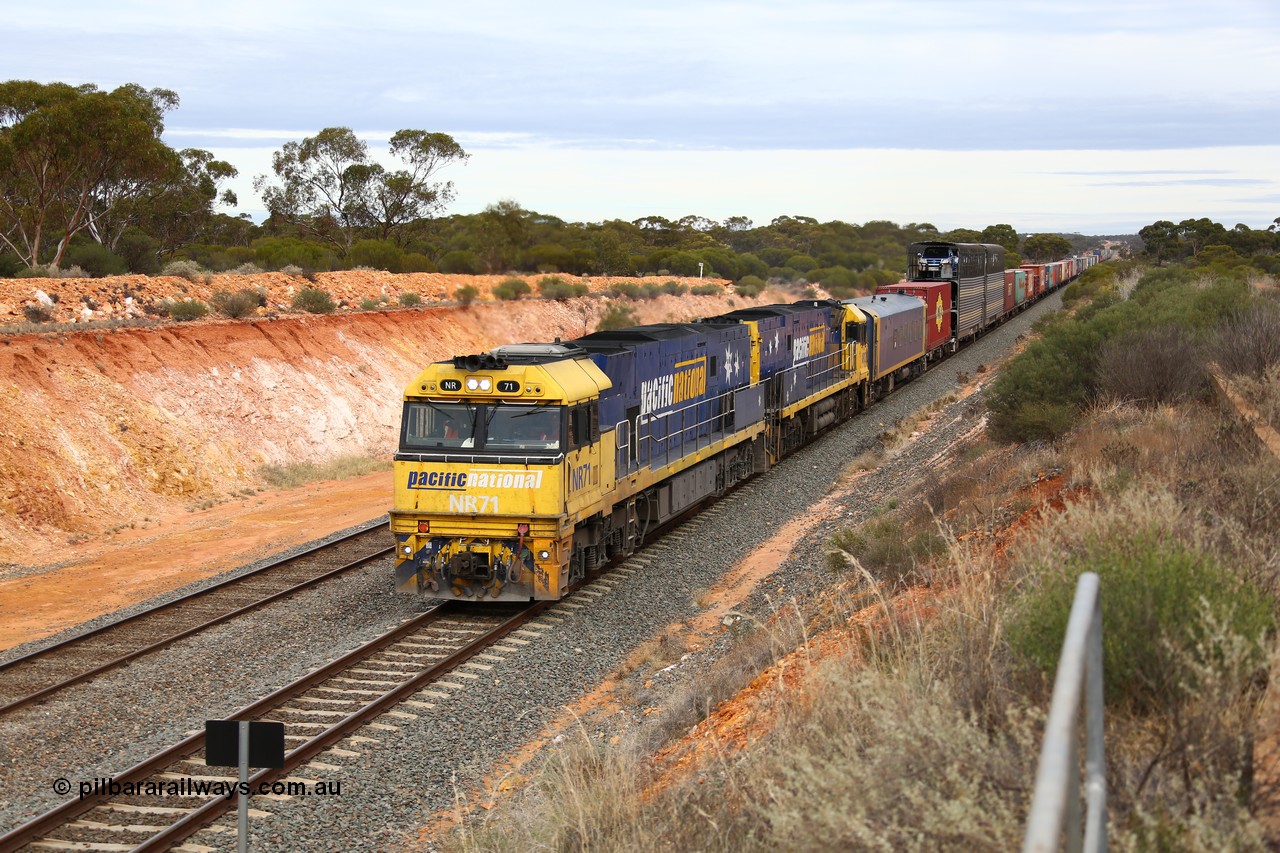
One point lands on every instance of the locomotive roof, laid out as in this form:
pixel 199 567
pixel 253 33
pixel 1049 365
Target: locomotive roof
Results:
pixel 759 311
pixel 654 332
pixel 883 304
pixel 536 353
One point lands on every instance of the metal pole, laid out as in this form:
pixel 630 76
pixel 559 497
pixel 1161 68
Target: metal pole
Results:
pixel 1079 672
pixel 1095 764
pixel 243 844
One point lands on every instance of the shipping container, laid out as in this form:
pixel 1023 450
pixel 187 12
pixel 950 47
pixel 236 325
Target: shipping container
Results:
pixel 938 314
pixel 1035 280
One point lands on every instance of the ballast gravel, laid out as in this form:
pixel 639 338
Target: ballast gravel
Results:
pixel 411 767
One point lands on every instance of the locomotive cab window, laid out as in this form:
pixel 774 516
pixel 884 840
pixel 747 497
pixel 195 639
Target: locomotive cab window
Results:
pixel 432 425
pixel 584 425
pixel 449 426
pixel 523 428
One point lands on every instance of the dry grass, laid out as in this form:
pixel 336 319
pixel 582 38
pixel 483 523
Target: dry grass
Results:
pixel 906 428
pixel 1263 394
pixel 920 730
pixel 300 473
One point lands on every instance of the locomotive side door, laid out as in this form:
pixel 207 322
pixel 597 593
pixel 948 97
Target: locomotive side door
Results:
pixel 583 461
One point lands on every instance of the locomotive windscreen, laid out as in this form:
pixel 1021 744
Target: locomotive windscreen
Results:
pixel 480 426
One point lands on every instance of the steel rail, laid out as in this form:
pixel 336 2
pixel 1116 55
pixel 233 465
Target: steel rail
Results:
pixel 79 639
pixel 212 810
pixel 42 825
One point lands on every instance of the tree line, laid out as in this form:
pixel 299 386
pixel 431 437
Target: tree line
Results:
pixel 89 182
pixel 1203 241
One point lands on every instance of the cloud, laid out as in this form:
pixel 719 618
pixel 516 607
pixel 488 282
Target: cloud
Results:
pixel 1189 182
pixel 701 74
pixel 1125 172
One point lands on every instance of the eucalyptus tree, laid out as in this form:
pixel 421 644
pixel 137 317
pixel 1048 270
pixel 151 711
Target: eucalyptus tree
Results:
pixel 70 154
pixel 1046 247
pixel 176 209
pixel 331 188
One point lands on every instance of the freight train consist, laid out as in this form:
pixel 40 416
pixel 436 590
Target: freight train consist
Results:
pixel 523 469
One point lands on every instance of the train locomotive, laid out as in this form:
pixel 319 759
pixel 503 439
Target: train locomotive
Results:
pixel 522 470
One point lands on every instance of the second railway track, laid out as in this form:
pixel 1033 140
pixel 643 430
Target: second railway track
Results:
pixel 320 710
pixel 35 677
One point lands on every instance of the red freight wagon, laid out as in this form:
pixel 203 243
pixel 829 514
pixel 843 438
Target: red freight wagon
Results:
pixel 937 313
pixel 1035 280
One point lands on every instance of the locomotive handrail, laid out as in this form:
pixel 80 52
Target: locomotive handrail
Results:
pixel 1057 793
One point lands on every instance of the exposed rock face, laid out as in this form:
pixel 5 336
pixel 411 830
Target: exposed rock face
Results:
pixel 104 427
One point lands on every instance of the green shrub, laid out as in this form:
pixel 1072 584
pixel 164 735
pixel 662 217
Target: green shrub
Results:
pixel 410 300
pixel 625 289
pixel 617 317
pixel 675 288
pixel 189 270
pixel 510 289
pixel 750 285
pixel 376 254
pixel 185 310
pixel 886 549
pixel 1040 393
pixel 314 300
pixel 1090 283
pixel 235 305
pixel 368 304
pixel 707 290
pixel 1249 344
pixel 461 262
pixel 1152 367
pixel 95 259
pixel 247 268
pixel 1155 591
pixel 466 294
pixel 279 253
pixel 555 287
pixel 416 262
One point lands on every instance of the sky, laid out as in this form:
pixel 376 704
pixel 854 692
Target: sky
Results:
pixel 1089 116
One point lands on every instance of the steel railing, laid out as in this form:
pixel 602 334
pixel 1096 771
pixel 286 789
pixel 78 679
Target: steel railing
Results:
pixel 1055 805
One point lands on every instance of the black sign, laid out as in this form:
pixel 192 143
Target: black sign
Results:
pixel 222 744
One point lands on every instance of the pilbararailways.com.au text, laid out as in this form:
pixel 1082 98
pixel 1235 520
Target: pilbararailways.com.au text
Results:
pixel 196 786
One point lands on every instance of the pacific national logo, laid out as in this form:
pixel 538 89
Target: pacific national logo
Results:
pixel 809 346
pixel 476 478
pixel 687 382
pixel 937 312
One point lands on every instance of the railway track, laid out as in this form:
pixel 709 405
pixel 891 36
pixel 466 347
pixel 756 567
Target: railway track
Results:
pixel 35 677
pixel 319 710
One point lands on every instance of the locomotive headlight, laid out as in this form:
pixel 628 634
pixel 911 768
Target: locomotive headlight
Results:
pixel 485 385
pixel 406 550
pixel 544 554
pixel 473 384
